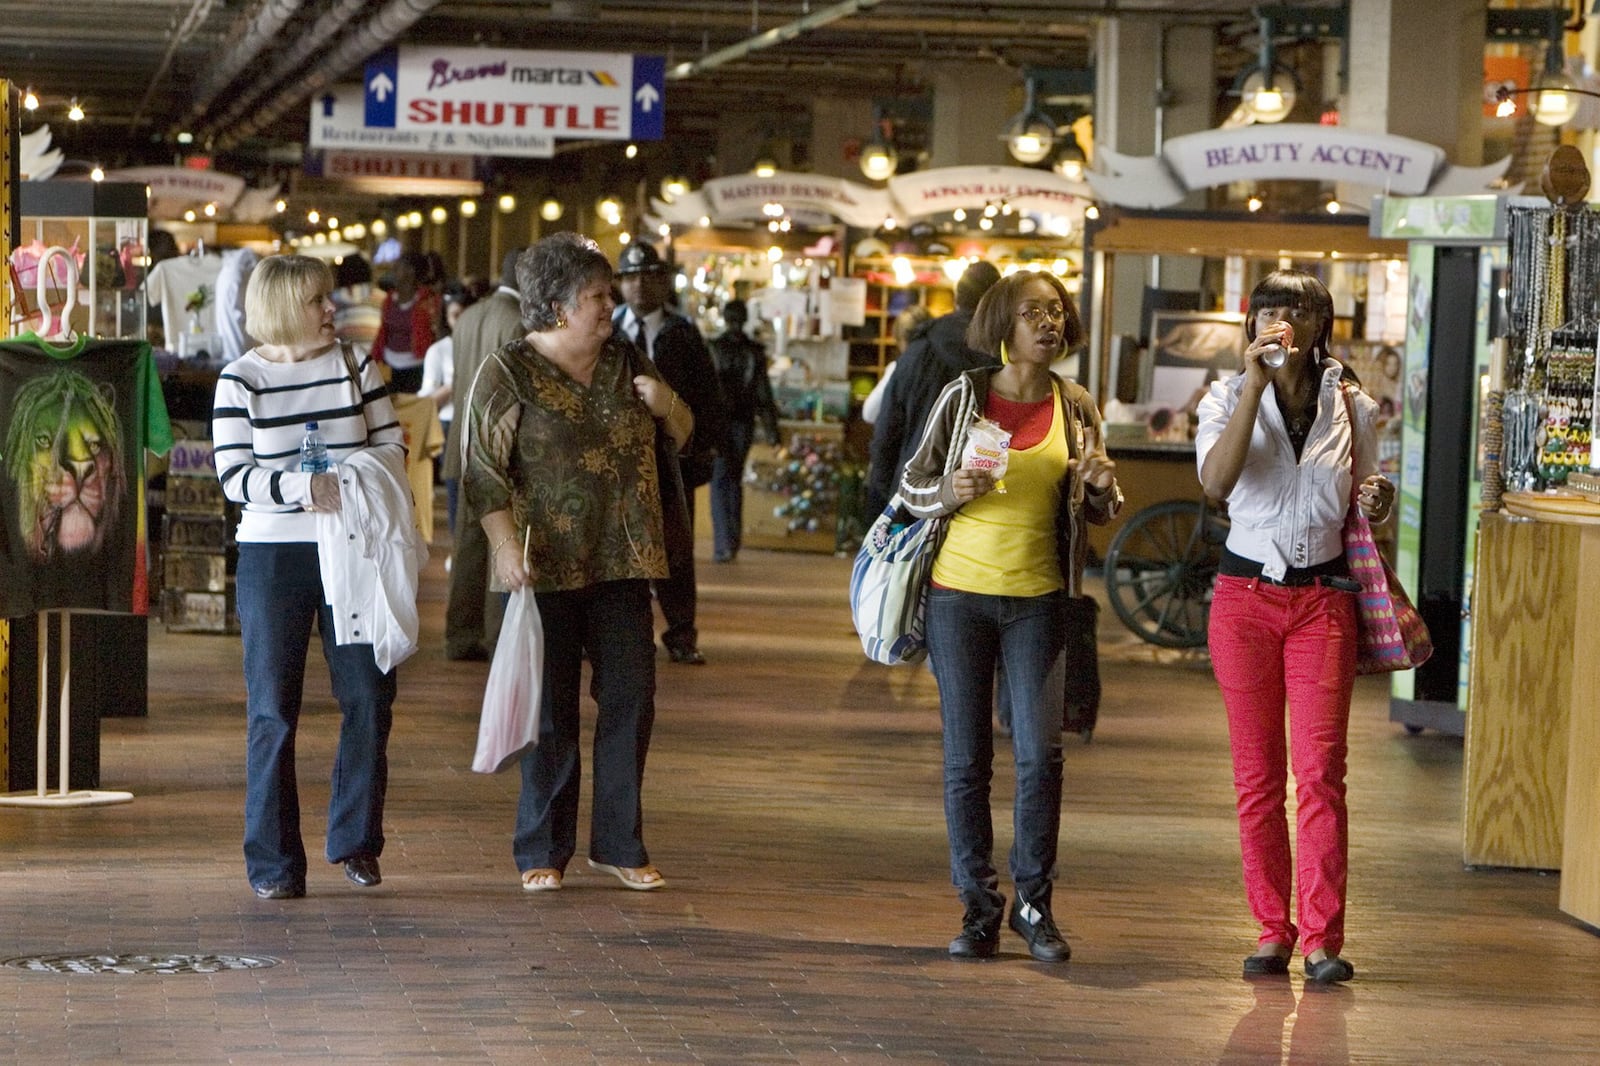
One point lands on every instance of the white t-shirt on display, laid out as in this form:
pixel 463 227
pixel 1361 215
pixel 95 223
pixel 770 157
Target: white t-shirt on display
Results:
pixel 173 281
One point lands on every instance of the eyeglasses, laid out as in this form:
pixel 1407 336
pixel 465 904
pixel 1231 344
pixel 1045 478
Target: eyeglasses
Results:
pixel 1033 316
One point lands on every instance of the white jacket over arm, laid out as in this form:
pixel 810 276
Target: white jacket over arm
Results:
pixel 371 554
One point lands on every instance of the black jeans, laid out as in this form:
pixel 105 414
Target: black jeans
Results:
pixel 678 595
pixel 611 622
pixel 727 490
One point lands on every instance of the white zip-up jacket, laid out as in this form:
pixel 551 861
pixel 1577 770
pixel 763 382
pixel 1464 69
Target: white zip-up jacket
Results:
pixel 370 554
pixel 1286 513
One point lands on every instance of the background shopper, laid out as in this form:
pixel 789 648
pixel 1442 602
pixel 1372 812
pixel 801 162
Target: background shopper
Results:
pixel 1277 445
pixel 409 322
pixel 561 465
pixel 1008 563
pixel 674 345
pixel 741 363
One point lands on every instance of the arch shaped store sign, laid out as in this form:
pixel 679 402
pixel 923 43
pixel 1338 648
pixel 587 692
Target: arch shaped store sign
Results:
pixel 1392 165
pixel 743 198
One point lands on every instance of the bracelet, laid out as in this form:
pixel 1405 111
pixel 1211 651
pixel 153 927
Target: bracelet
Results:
pixel 671 407
pixel 501 543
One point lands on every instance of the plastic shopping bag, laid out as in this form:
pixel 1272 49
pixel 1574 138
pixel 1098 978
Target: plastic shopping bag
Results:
pixel 509 722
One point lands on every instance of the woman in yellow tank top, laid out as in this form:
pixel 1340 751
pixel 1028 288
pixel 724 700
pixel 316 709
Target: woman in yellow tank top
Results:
pixel 1013 554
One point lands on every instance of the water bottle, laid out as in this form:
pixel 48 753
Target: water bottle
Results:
pixel 314 452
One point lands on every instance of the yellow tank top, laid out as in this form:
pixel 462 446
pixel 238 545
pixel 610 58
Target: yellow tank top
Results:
pixel 1004 544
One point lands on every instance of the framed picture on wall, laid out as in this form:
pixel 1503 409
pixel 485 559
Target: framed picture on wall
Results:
pixel 1188 351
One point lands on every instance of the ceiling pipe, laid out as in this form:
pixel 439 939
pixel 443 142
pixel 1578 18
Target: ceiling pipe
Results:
pixel 375 34
pixel 186 29
pixel 290 61
pixel 260 28
pixel 775 36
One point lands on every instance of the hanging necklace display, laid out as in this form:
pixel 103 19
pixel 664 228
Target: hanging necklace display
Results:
pixel 1530 233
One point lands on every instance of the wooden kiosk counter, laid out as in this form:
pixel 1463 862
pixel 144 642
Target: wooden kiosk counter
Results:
pixel 1532 775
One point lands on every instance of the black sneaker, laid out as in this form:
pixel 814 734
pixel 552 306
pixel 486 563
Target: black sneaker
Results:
pixel 980 936
pixel 1045 942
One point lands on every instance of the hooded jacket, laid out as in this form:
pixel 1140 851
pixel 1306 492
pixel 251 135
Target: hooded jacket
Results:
pixel 935 357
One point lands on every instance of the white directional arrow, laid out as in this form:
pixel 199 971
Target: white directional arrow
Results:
pixel 382 86
pixel 647 96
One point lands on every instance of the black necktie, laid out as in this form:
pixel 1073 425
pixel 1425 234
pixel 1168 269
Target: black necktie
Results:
pixel 639 338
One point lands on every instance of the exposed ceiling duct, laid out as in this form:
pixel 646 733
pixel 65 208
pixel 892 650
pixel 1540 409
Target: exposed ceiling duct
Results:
pixel 378 32
pixel 258 29
pixel 290 62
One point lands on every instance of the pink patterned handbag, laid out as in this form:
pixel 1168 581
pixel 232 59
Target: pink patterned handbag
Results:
pixel 1390 634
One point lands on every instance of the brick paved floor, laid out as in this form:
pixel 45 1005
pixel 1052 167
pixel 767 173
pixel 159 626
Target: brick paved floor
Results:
pixel 792 800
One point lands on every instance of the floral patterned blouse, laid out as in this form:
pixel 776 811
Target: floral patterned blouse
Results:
pixel 576 466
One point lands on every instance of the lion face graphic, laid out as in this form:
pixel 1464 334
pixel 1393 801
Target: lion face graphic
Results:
pixel 64 453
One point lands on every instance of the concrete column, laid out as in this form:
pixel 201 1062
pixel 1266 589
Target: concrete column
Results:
pixel 971 104
pixel 1152 83
pixel 1416 70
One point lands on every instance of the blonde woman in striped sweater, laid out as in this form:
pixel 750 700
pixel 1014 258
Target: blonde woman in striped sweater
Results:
pixel 299 373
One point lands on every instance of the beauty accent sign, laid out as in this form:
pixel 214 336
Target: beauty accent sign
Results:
pixel 1396 166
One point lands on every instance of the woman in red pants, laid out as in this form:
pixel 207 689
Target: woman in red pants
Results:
pixel 1278 444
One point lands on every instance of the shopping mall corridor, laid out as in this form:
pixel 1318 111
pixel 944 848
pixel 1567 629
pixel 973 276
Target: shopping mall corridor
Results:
pixel 793 802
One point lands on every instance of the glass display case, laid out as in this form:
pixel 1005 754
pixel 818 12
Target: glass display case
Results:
pixel 104 227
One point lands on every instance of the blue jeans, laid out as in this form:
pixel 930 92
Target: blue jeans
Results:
pixel 727 491
pixel 612 622
pixel 279 591
pixel 969 637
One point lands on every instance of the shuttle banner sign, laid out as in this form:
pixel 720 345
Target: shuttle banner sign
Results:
pixel 490 101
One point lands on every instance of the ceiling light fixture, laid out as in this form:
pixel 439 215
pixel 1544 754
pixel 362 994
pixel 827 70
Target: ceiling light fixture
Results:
pixel 1268 92
pixel 673 186
pixel 75 112
pixel 551 210
pixel 879 160
pixel 469 208
pixel 507 203
pixel 1070 160
pixel 1031 134
pixel 30 101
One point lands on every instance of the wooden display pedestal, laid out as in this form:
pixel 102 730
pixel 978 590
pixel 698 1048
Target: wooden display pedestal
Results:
pixel 1536 610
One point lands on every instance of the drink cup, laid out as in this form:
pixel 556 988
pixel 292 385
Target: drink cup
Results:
pixel 1275 357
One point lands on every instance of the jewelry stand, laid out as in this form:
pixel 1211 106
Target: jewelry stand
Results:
pixel 63 797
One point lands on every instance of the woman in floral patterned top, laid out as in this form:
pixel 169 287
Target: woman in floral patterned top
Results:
pixel 560 469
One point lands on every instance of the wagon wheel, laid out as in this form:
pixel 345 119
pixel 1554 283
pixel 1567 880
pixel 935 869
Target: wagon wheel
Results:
pixel 1159 571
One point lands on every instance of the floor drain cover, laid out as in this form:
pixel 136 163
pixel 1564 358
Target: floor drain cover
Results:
pixel 131 964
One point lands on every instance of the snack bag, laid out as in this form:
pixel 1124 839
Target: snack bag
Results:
pixel 988 448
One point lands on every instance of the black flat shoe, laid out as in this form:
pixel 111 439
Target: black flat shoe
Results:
pixel 1266 966
pixel 278 891
pixel 363 870
pixel 1330 970
pixel 686 656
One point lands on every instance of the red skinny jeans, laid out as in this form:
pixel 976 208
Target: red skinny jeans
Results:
pixel 1269 643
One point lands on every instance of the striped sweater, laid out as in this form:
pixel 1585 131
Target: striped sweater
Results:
pixel 259 417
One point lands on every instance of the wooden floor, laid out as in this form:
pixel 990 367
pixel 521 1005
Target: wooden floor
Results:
pixel 793 802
